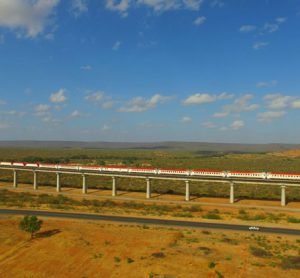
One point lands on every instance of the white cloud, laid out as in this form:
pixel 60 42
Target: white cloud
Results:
pixel 12 113
pixel 247 28
pixel 79 7
pixel 271 27
pixel 141 104
pixel 192 4
pixel 86 67
pixel 265 84
pixel 270 115
pixel 199 20
pixel 217 3
pixel 122 6
pixel 202 98
pixel 295 104
pixel 238 124
pixel 28 18
pixel 42 110
pixel 186 120
pixel 76 114
pixel 209 125
pixel 281 19
pixel 59 96
pixel 259 45
pixel 100 98
pixel 50 119
pixel 278 101
pixel 116 45
pixel 239 105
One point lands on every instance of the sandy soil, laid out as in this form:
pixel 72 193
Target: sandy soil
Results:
pixel 74 248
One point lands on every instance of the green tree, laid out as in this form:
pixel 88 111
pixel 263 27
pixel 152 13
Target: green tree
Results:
pixel 30 224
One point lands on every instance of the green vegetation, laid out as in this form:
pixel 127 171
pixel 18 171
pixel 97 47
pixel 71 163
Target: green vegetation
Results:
pixel 212 265
pixel 259 252
pixel 212 215
pixel 157 159
pixel 158 255
pixel 117 259
pixel 291 262
pixel 129 260
pixel 30 224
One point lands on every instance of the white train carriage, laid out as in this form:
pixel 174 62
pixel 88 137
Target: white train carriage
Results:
pixel 32 165
pixel 68 167
pixel 283 176
pixel 173 172
pixel 46 165
pixel 6 163
pixel 249 175
pixel 210 173
pixel 89 168
pixel 119 169
pixel 143 170
pixel 19 164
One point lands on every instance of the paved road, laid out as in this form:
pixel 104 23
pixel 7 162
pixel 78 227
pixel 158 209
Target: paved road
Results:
pixel 148 221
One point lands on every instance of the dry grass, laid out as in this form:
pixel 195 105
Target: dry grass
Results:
pixel 290 153
pixel 73 248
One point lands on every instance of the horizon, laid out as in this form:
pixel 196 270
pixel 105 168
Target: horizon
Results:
pixel 197 71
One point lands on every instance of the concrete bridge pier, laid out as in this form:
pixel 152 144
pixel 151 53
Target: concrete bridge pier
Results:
pixel 84 185
pixel 114 187
pixel 283 196
pixel 35 180
pixel 15 184
pixel 187 190
pixel 231 199
pixel 58 187
pixel 148 191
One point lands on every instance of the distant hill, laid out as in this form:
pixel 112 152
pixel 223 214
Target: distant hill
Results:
pixel 195 146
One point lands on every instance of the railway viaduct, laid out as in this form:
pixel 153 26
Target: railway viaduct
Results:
pixel 185 180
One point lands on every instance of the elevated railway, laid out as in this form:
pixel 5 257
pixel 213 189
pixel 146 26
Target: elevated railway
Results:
pixel 283 180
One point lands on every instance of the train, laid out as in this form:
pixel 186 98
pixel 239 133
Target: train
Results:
pixel 161 171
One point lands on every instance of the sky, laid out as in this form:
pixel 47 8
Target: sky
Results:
pixel 150 70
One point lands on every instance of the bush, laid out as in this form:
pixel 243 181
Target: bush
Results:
pixel 212 265
pixel 293 220
pixel 291 262
pixel 259 252
pixel 212 216
pixel 158 255
pixel 117 259
pixel 129 260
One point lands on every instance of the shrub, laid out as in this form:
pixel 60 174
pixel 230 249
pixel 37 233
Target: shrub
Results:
pixel 211 215
pixel 158 255
pixel 259 252
pixel 293 220
pixel 212 265
pixel 182 214
pixel 219 275
pixel 129 260
pixel 117 259
pixel 291 262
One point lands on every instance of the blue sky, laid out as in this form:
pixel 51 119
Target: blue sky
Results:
pixel 150 70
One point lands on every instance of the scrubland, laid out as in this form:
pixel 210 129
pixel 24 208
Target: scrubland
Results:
pixel 74 248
